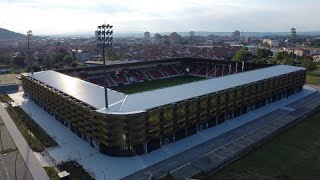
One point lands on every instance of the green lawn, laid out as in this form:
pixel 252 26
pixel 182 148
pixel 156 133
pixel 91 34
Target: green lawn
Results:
pixel 76 171
pixel 156 84
pixel 295 154
pixel 313 78
pixel 36 137
pixel 53 175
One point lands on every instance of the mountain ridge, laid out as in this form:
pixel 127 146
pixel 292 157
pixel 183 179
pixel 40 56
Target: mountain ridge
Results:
pixel 6 34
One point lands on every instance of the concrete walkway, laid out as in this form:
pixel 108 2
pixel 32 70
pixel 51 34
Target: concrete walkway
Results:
pixel 35 168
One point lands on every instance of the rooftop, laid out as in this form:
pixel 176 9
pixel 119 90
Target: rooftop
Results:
pixel 120 103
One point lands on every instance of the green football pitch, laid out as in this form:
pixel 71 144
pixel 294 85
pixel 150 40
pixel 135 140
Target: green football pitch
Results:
pixel 156 84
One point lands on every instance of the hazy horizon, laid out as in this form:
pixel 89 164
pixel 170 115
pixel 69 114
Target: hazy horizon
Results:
pixel 48 17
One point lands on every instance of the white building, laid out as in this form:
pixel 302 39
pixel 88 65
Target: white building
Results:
pixel 272 43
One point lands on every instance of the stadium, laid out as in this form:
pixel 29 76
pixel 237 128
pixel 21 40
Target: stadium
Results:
pixel 154 103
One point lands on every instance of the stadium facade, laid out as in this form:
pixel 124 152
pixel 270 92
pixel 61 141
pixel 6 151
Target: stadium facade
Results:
pixel 142 122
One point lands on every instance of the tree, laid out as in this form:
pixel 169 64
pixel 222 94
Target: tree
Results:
pixel 59 57
pixel 243 55
pixel 264 53
pixel 74 64
pixel 34 68
pixel 266 45
pixel 18 61
pixel 49 61
pixel 74 55
pixel 309 64
pixel 282 55
pixel 68 59
pixel 58 66
pixel 288 60
pixel 2 59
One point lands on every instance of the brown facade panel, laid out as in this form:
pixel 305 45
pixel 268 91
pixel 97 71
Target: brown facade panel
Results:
pixel 130 134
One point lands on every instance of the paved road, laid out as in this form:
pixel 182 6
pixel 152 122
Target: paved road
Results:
pixel 160 169
pixel 33 164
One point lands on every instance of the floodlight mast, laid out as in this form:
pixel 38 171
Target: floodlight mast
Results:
pixel 104 35
pixel 293 39
pixel 29 38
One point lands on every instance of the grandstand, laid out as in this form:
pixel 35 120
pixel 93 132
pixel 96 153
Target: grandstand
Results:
pixel 141 122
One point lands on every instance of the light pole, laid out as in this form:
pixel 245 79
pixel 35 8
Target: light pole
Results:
pixel 29 38
pixel 293 39
pixel 104 35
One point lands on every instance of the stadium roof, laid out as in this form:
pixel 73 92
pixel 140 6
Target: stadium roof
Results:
pixel 120 103
pixel 86 92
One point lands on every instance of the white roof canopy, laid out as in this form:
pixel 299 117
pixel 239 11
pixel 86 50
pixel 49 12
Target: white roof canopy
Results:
pixel 120 103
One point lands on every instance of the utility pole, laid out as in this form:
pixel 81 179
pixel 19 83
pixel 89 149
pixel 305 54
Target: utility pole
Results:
pixel 104 35
pixel 29 38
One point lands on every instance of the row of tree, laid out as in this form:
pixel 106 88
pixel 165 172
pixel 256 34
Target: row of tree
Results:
pixel 245 55
pixel 265 55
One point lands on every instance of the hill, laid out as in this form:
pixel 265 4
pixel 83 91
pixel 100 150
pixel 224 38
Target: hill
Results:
pixel 7 34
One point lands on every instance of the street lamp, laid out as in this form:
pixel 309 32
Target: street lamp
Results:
pixel 29 38
pixel 104 36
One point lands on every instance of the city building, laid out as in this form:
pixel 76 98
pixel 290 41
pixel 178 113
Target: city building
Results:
pixel 142 122
pixel 82 56
pixel 235 34
pixel 157 39
pixel 174 38
pixel 192 34
pixel 247 39
pixel 271 43
pixel 146 35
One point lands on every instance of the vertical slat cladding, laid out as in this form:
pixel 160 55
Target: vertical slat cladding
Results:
pixel 133 130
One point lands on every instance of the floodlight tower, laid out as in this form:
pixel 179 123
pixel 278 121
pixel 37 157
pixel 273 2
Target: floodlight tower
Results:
pixel 293 39
pixel 29 39
pixel 104 36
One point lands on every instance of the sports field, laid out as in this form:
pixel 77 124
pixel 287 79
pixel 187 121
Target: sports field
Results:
pixel 295 154
pixel 156 84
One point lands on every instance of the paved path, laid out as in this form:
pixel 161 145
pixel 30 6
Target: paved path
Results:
pixel 34 166
pixel 12 166
pixel 3 171
pixel 187 157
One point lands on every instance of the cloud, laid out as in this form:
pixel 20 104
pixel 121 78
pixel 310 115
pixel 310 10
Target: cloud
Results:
pixel 62 16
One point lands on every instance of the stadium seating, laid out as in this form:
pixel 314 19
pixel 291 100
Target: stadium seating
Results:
pixel 156 74
pixel 139 75
pixel 170 71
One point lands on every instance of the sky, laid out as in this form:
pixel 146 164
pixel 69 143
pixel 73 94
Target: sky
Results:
pixel 47 17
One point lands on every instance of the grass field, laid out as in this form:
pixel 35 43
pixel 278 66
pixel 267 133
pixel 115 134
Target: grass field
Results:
pixel 9 78
pixel 76 171
pixel 295 154
pixel 313 78
pixel 36 137
pixel 156 84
